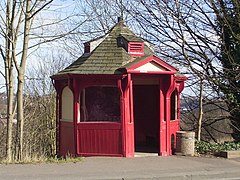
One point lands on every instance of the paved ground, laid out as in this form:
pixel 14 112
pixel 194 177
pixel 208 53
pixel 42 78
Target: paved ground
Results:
pixel 106 168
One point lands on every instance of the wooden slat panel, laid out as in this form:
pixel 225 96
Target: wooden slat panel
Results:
pixel 100 138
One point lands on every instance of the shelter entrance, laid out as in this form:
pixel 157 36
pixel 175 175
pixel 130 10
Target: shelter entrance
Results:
pixel 146 118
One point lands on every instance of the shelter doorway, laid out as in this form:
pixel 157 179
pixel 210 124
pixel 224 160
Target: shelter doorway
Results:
pixel 146 118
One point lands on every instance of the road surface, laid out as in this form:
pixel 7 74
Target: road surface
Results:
pixel 106 168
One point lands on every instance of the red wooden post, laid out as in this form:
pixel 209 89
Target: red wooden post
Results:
pixel 167 86
pixel 162 123
pixel 180 86
pixel 126 103
pixel 122 117
pixel 76 113
pixel 168 112
pixel 128 118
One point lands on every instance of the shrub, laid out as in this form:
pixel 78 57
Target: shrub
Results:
pixel 203 147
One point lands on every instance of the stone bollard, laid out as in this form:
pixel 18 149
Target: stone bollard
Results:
pixel 185 143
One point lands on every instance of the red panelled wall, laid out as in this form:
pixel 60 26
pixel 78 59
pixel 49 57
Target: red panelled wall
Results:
pixel 117 138
pixel 66 139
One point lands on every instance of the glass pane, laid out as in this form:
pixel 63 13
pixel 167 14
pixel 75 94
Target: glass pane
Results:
pixel 100 103
pixel 174 106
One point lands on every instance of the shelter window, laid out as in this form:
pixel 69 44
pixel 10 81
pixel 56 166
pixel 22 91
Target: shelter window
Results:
pixel 67 105
pixel 100 103
pixel 174 103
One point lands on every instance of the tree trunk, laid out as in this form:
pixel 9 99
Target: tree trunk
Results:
pixel 21 73
pixel 9 84
pixel 200 112
pixel 10 116
pixel 20 115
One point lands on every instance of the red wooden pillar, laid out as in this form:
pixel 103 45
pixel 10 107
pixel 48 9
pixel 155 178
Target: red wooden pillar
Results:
pixel 76 112
pixel 178 102
pixel 130 147
pixel 171 88
pixel 162 123
pixel 179 86
pixel 122 117
pixel 167 86
pixel 125 86
pixel 59 88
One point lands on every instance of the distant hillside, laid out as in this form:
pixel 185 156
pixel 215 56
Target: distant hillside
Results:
pixel 216 125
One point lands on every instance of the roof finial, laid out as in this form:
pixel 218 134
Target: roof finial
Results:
pixel 120 19
pixel 121 11
pixel 120 22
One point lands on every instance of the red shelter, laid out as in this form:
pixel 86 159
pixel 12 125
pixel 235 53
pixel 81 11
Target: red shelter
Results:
pixel 117 98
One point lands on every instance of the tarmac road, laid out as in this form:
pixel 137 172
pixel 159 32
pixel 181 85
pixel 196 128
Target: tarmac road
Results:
pixel 106 168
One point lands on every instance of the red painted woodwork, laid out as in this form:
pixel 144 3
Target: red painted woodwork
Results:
pixel 99 138
pixel 125 87
pixel 169 92
pixel 163 140
pixel 136 48
pixel 145 113
pixel 59 85
pixel 174 127
pixel 76 107
pixel 167 86
pixel 161 63
pixel 66 139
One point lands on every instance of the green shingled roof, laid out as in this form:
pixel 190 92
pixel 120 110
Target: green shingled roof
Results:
pixel 107 57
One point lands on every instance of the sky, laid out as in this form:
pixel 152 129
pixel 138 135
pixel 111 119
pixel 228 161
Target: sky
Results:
pixel 70 48
pixel 59 9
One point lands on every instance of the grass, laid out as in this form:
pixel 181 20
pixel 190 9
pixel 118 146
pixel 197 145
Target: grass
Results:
pixel 66 159
pixel 42 159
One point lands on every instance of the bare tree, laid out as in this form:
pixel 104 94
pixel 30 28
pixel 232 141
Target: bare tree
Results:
pixel 190 33
pixel 22 34
pixel 228 18
pixel 9 77
pixel 39 103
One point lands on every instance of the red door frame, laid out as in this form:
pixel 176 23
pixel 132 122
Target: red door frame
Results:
pixel 166 87
pixel 125 87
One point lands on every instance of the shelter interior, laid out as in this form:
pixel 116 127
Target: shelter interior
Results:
pixel 146 115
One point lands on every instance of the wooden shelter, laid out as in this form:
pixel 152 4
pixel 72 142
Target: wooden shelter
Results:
pixel 117 98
